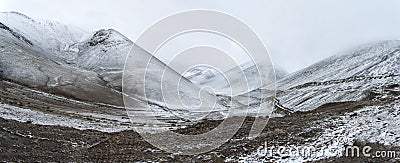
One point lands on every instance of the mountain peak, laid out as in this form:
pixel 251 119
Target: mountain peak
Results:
pixel 48 37
pixel 104 36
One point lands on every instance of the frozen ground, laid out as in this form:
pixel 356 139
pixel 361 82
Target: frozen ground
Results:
pixel 37 117
pixel 370 124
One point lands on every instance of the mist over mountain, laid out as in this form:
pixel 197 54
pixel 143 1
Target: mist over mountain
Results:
pixel 350 76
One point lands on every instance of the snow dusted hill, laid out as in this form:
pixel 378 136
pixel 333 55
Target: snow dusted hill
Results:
pixel 376 59
pixel 165 87
pixel 37 53
pixel 59 59
pixel 104 53
pixel 27 67
pixel 348 77
pixel 201 74
pixel 49 38
pixel 205 76
pixel 361 86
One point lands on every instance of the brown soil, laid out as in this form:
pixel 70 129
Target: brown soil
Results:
pixel 30 142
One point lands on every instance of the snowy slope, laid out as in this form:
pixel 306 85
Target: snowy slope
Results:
pixel 348 77
pixel 280 73
pixel 37 53
pixel 25 66
pixel 200 75
pixel 372 124
pixel 104 53
pixel 58 59
pixel 245 77
pixel 378 59
pixel 47 37
pixel 165 87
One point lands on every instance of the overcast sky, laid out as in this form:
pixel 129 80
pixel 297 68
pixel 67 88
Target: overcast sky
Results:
pixel 297 33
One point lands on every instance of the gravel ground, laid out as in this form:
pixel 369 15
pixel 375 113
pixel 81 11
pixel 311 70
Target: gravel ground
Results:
pixel 30 142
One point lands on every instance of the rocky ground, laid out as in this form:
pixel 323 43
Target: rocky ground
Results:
pixel 30 142
pixel 372 121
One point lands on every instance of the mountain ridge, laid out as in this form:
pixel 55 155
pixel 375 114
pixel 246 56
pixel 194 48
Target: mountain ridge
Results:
pixel 100 57
pixel 348 77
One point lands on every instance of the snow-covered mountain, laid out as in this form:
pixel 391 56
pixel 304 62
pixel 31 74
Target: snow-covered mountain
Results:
pixel 355 96
pixel 245 76
pixel 60 59
pixel 104 53
pixel 49 38
pixel 351 76
pixel 39 53
pixel 200 75
pixel 28 67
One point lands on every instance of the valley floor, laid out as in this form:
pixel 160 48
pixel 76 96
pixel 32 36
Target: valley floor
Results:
pixel 24 141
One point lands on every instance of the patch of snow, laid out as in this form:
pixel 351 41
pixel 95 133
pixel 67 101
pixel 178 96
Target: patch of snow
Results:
pixel 36 117
pixel 372 124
